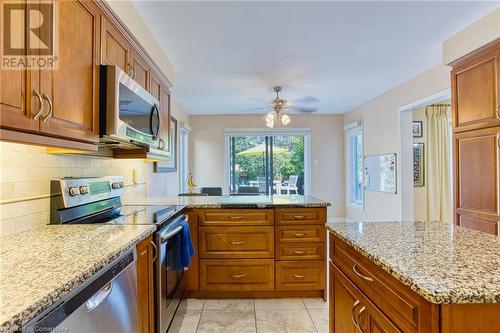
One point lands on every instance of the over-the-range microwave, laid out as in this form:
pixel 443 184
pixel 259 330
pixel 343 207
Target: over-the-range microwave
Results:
pixel 129 114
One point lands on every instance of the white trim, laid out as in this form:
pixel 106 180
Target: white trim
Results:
pixel 306 132
pixel 437 97
pixel 183 158
pixel 185 127
pixel 352 125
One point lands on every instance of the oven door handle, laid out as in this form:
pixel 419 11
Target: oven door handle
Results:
pixel 165 237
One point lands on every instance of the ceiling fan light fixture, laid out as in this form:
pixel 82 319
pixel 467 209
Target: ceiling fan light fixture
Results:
pixel 285 119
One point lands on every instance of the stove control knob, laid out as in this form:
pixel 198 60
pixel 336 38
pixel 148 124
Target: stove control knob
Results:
pixel 84 189
pixel 115 186
pixel 73 191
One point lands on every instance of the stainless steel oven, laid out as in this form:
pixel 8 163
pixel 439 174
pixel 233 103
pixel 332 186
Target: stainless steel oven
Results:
pixel 129 114
pixel 169 279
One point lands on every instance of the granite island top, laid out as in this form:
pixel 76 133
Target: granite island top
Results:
pixel 444 263
pixel 39 267
pixel 246 201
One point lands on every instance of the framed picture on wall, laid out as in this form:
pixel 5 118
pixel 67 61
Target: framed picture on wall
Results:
pixel 417 129
pixel 418 165
pixel 171 165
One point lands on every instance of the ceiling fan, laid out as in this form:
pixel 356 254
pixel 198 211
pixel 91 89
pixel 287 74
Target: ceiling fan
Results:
pixel 278 106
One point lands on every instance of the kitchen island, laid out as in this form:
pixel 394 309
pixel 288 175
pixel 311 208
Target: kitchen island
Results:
pixel 255 246
pixel 40 267
pixel 413 277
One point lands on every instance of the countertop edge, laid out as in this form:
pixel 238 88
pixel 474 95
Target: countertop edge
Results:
pixel 36 308
pixel 252 205
pixel 409 282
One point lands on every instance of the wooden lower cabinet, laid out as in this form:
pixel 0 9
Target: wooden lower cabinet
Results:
pixel 243 252
pixel 145 288
pixel 365 298
pixel 237 275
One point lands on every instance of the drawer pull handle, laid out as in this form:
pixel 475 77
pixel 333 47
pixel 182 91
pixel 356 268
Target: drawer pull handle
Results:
pixel 237 242
pixel 238 276
pixel 299 252
pixel 355 270
pixel 299 235
pixel 360 319
pixel 299 217
pixel 297 276
pixel 353 317
pixel 239 217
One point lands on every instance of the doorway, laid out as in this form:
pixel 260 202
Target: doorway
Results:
pixel 266 163
pixel 426 163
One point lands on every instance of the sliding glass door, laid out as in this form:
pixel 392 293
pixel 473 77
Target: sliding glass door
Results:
pixel 266 164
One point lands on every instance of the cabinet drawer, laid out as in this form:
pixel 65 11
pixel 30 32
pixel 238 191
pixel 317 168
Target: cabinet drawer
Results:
pixel 225 217
pixel 299 233
pixel 300 215
pixel 393 298
pixel 237 275
pixel 300 275
pixel 300 251
pixel 236 242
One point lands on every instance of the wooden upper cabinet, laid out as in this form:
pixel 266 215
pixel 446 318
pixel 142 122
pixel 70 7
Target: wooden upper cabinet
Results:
pixel 475 90
pixel 140 69
pixel 70 93
pixel 477 184
pixel 115 48
pixel 19 99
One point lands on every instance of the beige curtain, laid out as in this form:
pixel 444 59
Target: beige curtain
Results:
pixel 438 165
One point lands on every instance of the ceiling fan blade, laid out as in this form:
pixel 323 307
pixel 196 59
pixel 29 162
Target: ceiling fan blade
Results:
pixel 305 109
pixel 306 100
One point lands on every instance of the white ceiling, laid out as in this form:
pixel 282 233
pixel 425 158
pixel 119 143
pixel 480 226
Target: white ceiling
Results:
pixel 229 55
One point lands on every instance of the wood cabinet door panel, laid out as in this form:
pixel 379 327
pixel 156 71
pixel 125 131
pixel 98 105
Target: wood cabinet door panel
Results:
pixel 300 251
pixel 237 275
pixel 299 233
pixel 236 242
pixel 115 48
pixel 228 216
pixel 290 216
pixel 476 163
pixel 351 304
pixel 72 88
pixel 145 286
pixel 476 221
pixel 140 69
pixel 475 91
pixel 300 275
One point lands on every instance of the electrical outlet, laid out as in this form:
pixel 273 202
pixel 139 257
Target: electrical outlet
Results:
pixel 137 176
pixel 316 163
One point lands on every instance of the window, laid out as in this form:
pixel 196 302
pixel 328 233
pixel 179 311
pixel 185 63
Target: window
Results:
pixel 354 158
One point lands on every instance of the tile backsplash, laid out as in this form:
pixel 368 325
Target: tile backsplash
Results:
pixel 25 174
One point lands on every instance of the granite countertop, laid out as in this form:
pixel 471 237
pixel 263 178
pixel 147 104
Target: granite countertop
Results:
pixel 442 262
pixel 39 267
pixel 248 201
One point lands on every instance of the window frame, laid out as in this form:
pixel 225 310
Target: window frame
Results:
pixel 351 131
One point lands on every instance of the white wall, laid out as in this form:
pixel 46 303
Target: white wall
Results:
pixel 327 137
pixel 479 33
pixel 382 126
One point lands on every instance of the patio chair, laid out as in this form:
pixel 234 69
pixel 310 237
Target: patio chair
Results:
pixel 262 184
pixel 291 185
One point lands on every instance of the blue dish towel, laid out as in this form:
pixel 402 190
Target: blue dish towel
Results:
pixel 186 250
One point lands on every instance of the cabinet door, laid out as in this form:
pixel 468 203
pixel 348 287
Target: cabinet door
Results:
pixel 475 91
pixel 140 69
pixel 19 98
pixel 477 184
pixel 342 302
pixel 145 294
pixel 71 92
pixel 115 48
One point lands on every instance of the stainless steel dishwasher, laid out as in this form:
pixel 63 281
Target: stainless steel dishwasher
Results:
pixel 105 303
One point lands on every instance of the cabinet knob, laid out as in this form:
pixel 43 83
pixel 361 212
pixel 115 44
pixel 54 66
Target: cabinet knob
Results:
pixel 40 101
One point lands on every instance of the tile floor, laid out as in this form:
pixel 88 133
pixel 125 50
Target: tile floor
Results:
pixel 287 315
